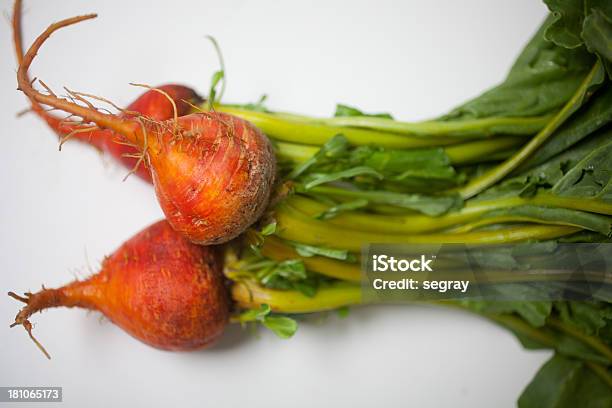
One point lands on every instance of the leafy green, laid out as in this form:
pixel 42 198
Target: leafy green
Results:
pixel 254 314
pixel 542 79
pixel 566 383
pixel 564 29
pixel 535 313
pixel 290 269
pixel 403 170
pixel 283 326
pixel 591 177
pixel 578 23
pixel 336 209
pixel 549 173
pixel 333 148
pixel 316 179
pixel 597 34
pixel 593 116
pixel 557 87
pixel 311 250
pixel 592 222
pixel 343 312
pixel 345 110
pixel 410 169
pixel 427 204
pixel 589 317
pixel 269 229
pixel 289 274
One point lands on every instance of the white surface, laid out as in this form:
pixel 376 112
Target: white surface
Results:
pixel 61 211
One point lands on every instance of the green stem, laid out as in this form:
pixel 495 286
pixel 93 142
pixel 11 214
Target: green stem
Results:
pixel 479 184
pixel 544 199
pixel 295 152
pixel 249 295
pixel 519 325
pixel 276 249
pixel 472 128
pixel 419 223
pixel 505 219
pixel 601 371
pixel 295 226
pixel 463 153
pixel 482 127
pixel 314 133
pixel 591 341
pixel 480 150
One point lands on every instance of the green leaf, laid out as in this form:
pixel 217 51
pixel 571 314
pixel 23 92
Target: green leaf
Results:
pixel 334 210
pixel 566 25
pixel 578 23
pixel 345 110
pixel 316 179
pixel 398 165
pixel 589 317
pixel 307 287
pixel 593 222
pixel 430 205
pixel 591 177
pixel 547 174
pixel 566 383
pixel 290 269
pixel 311 250
pixel 591 117
pixel 543 78
pixel 334 147
pixel 572 347
pixel 254 314
pixel 597 33
pixel 269 229
pixel 535 313
pixel 284 327
pixel 343 312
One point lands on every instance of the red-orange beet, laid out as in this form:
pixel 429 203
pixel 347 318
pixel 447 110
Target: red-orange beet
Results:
pixel 158 287
pixel 152 104
pixel 155 106
pixel 213 173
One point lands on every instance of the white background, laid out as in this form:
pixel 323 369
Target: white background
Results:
pixel 61 212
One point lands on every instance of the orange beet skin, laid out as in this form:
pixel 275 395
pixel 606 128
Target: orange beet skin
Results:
pixel 213 173
pixel 159 287
pixel 213 178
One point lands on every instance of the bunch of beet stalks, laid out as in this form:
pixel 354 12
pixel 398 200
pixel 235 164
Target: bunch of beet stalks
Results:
pixel 258 228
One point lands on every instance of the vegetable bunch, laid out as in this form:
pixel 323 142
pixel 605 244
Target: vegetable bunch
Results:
pixel 529 160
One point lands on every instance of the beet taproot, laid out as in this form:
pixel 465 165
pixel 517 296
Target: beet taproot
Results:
pixel 213 173
pixel 159 287
pixel 156 104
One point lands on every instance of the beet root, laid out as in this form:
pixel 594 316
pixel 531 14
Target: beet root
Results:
pixel 159 287
pixel 213 173
pixel 213 181
pixel 157 104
